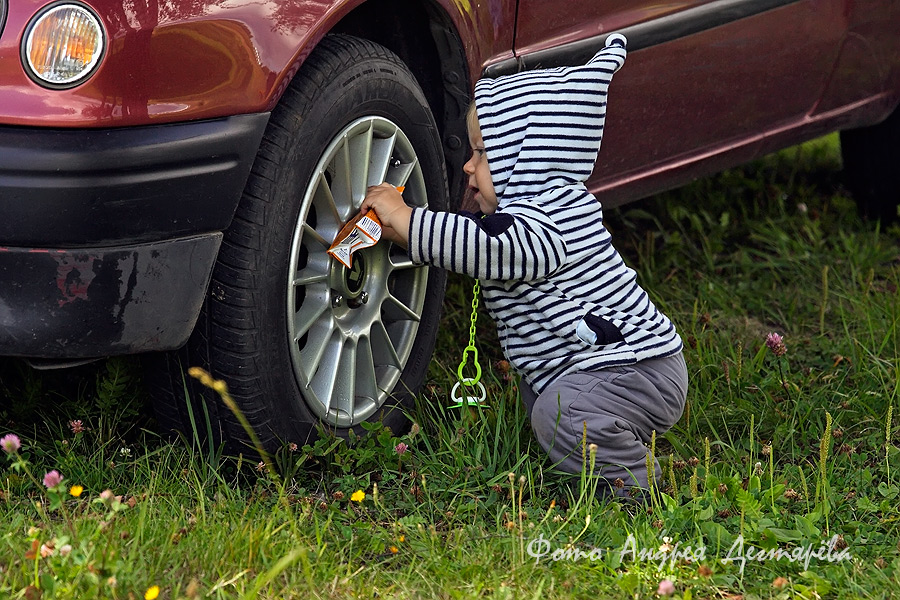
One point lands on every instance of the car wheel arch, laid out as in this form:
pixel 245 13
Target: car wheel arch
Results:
pixel 425 37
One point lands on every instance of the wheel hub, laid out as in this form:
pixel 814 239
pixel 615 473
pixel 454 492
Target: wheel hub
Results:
pixel 355 276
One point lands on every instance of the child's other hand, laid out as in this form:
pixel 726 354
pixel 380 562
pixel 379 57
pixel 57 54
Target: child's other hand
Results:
pixel 392 211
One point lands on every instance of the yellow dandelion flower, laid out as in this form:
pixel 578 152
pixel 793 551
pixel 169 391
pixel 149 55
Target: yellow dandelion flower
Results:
pixel 394 550
pixel 152 593
pixel 402 538
pixel 358 496
pixel 75 490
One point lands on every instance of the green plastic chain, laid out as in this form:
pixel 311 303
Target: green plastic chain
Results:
pixel 468 396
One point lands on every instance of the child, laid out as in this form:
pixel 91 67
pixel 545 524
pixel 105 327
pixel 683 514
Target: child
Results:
pixel 595 354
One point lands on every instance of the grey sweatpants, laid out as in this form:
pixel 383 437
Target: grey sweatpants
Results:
pixel 619 407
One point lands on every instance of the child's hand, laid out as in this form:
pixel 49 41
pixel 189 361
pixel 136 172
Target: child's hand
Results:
pixel 392 211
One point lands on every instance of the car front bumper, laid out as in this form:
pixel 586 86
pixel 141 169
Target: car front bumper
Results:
pixel 108 237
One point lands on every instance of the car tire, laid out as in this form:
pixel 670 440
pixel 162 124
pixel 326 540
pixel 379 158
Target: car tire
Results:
pixel 300 340
pixel 871 155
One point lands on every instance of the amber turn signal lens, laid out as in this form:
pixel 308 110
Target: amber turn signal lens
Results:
pixel 63 45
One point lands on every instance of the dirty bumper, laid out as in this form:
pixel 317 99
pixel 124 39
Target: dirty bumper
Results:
pixel 87 303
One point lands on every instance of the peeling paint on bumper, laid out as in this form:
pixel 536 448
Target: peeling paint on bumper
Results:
pixel 98 302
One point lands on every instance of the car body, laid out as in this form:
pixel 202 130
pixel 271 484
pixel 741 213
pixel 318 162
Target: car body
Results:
pixel 116 192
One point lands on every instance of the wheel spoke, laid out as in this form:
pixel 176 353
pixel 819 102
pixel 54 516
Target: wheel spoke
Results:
pixel 380 160
pixel 382 346
pixel 343 382
pixel 320 346
pixel 314 271
pixel 400 263
pixel 308 230
pixel 306 317
pixel 366 379
pixel 341 187
pixel 326 208
pixel 401 173
pixel 305 277
pixel 398 310
pixel 360 149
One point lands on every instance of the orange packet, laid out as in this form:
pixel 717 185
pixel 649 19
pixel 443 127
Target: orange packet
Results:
pixel 359 232
pixel 362 231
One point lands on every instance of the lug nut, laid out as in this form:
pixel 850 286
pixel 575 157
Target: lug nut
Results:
pixel 336 300
pixel 359 300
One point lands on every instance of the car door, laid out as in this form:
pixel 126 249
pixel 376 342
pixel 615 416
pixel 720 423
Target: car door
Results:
pixel 704 79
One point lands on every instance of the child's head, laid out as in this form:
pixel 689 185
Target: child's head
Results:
pixel 477 167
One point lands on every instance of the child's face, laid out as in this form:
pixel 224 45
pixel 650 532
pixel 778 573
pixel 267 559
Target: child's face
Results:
pixel 480 175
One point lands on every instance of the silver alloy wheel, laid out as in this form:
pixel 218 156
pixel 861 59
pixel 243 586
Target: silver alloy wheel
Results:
pixel 351 331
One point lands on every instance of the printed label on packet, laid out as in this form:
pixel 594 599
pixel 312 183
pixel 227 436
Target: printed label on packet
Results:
pixel 362 231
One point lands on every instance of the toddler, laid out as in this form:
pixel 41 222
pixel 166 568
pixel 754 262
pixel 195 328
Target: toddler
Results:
pixel 596 356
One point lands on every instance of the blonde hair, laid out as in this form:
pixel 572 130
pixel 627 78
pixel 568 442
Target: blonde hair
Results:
pixel 472 119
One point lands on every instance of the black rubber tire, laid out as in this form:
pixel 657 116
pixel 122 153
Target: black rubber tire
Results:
pixel 872 167
pixel 241 336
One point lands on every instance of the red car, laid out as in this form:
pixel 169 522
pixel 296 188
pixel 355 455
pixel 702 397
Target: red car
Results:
pixel 172 172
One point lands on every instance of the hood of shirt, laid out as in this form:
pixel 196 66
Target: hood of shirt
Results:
pixel 542 129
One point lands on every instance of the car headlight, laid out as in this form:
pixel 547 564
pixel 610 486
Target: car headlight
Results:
pixel 63 45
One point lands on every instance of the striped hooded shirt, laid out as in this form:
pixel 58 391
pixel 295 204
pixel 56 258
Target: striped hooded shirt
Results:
pixel 562 297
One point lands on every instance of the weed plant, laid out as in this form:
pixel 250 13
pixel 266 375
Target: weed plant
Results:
pixel 780 480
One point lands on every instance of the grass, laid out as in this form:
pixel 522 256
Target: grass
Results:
pixel 779 454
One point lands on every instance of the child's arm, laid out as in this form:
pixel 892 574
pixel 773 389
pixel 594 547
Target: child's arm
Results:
pixel 392 211
pixel 526 246
pixel 513 245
